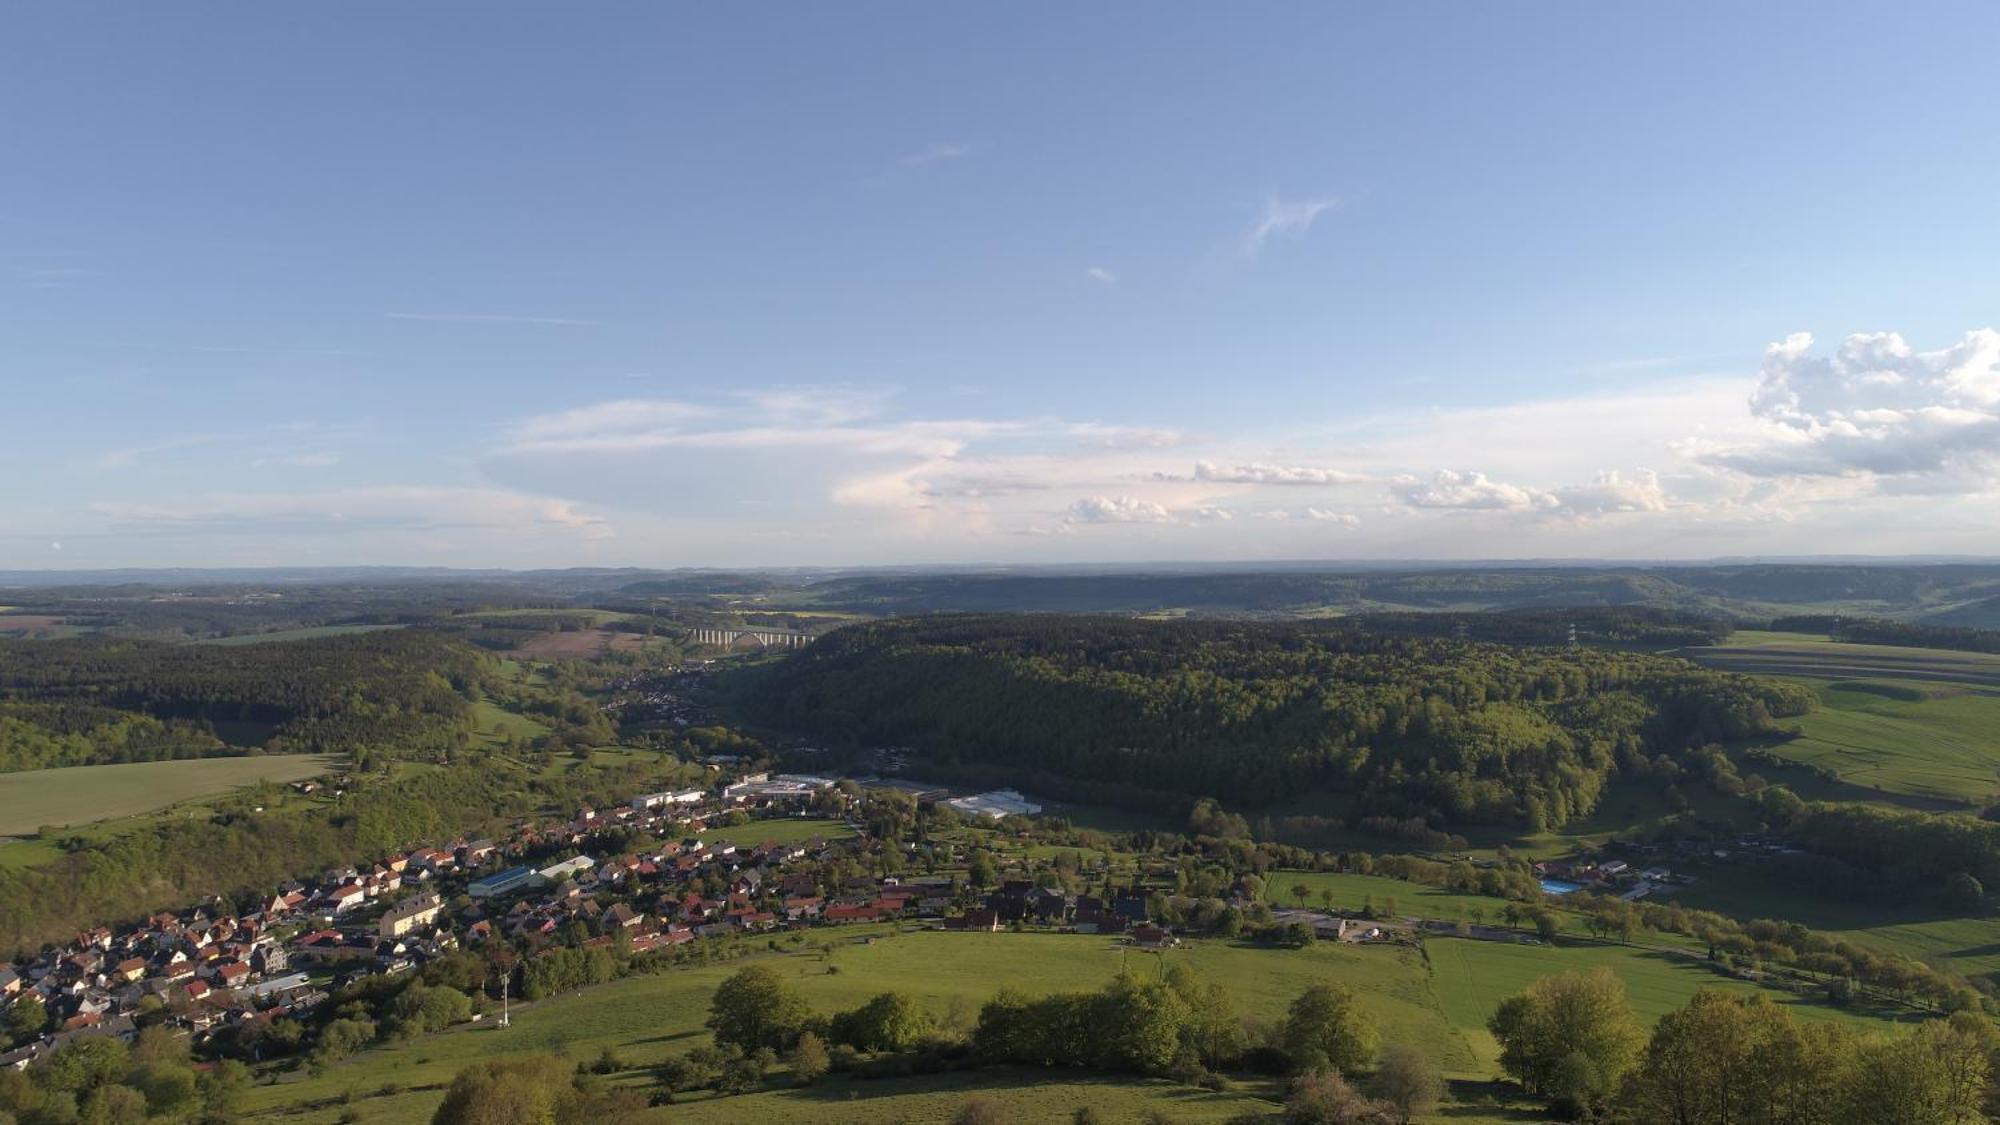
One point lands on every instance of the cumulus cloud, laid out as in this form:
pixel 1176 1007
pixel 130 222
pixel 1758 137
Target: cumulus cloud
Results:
pixel 1611 492
pixel 1876 409
pixel 1117 509
pixel 1283 218
pixel 1274 474
pixel 1101 275
pixel 1309 515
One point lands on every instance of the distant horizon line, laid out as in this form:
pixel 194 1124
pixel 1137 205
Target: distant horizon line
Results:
pixel 1161 566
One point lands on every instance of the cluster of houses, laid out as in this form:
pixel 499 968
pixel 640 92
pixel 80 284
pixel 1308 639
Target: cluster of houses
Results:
pixel 208 968
pixel 1609 876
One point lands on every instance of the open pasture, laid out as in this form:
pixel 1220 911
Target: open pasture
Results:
pixel 1790 654
pixel 307 633
pixel 1473 977
pixel 79 795
pixel 788 830
pixel 1909 737
pixel 1439 998
pixel 648 1018
pixel 579 644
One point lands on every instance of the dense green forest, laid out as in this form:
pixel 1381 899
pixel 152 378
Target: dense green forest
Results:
pixel 1259 714
pixel 400 693
pixel 36 736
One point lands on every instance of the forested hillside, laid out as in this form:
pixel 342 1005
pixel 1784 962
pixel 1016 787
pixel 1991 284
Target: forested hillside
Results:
pixel 1257 714
pixel 96 699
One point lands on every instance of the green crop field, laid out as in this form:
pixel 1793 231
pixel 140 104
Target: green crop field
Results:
pixel 1905 737
pixel 305 634
pixel 1797 654
pixel 87 794
pixel 1893 722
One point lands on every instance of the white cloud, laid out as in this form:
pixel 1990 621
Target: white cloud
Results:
pixel 300 460
pixel 380 509
pixel 1124 437
pixel 819 405
pixel 1876 410
pixel 1117 509
pixel 1283 218
pixel 132 455
pixel 1609 493
pixel 606 426
pixel 935 154
pixel 1274 474
pixel 1101 275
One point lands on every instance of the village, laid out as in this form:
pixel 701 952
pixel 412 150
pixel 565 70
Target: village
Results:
pixel 208 968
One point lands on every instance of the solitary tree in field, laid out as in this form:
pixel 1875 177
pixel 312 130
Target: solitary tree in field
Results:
pixel 1570 1038
pixel 1326 1027
pixel 1408 1082
pixel 755 1008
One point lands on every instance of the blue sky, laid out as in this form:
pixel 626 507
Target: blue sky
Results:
pixel 511 284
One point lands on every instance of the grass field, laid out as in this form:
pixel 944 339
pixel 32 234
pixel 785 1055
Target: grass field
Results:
pixel 1893 722
pixel 786 831
pixel 1473 977
pixel 648 1018
pixel 1438 999
pixel 494 723
pixel 1814 657
pixel 1967 946
pixel 305 634
pixel 1904 737
pixel 1351 892
pixel 87 794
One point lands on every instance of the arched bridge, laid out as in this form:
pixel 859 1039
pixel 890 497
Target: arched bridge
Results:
pixel 729 637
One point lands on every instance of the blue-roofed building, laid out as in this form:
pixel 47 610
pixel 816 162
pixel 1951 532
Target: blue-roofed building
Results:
pixel 506 882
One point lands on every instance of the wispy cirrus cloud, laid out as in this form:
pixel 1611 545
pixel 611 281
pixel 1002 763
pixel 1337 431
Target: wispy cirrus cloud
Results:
pixel 938 153
pixel 131 455
pixel 1101 275
pixel 1282 218
pixel 490 318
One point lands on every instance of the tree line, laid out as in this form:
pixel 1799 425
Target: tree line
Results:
pixel 1729 1058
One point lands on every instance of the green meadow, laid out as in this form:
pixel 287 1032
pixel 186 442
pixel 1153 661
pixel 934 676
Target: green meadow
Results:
pixel 78 795
pixel 1904 737
pixel 1438 998
pixel 303 634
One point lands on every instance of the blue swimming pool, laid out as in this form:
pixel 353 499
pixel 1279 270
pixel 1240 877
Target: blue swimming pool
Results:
pixel 1559 887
